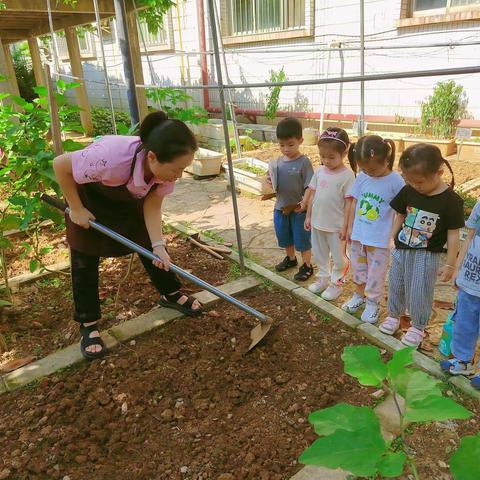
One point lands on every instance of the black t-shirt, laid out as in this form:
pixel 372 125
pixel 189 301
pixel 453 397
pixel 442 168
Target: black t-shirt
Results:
pixel 428 218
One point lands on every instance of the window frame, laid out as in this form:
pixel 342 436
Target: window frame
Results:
pixel 85 55
pixel 230 38
pixel 448 9
pixel 167 46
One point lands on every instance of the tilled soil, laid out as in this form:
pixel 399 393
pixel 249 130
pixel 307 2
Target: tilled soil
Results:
pixel 185 403
pixel 40 321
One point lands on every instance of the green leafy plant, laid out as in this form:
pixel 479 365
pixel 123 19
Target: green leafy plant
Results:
pixel 168 100
pixel 26 156
pixel 22 65
pixel 102 121
pixel 350 437
pixel 154 14
pixel 442 111
pixel 469 201
pixel 272 99
pixel 464 463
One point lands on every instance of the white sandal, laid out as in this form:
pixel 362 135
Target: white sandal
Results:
pixel 390 325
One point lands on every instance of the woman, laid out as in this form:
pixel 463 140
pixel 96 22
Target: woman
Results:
pixel 121 181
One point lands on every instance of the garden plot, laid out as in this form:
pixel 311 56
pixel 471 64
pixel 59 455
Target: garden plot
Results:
pixel 185 402
pixel 40 321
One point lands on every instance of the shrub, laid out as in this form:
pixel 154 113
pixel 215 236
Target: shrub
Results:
pixel 102 120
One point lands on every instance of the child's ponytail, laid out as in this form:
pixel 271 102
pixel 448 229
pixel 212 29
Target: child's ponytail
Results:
pixel 166 138
pixel 391 153
pixel 452 182
pixel 351 157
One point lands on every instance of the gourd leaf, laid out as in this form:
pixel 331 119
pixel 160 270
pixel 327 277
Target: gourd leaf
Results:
pixel 391 464
pixel 365 364
pixel 435 408
pixel 464 463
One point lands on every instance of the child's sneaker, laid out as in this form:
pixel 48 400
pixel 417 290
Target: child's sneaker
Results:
pixel 390 325
pixel 304 273
pixel 414 337
pixel 318 286
pixel 456 367
pixel 352 305
pixel 285 264
pixel 332 292
pixel 371 313
pixel 476 382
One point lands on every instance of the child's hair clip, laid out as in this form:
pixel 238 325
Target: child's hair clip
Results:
pixel 372 153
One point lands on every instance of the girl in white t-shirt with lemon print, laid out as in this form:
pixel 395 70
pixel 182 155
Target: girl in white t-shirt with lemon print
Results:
pixel 371 221
pixel 328 206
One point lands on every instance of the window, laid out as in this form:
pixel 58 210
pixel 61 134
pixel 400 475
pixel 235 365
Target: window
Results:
pixel 161 41
pixel 441 7
pixel 263 16
pixel 86 43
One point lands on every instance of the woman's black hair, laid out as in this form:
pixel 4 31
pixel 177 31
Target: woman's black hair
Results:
pixel 166 138
pixel 426 158
pixel 372 147
pixel 336 139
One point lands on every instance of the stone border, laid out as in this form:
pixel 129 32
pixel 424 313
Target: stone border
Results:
pixel 15 282
pixel 113 337
pixel 369 331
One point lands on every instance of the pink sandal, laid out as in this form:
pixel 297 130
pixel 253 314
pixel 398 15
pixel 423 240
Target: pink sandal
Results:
pixel 413 337
pixel 390 325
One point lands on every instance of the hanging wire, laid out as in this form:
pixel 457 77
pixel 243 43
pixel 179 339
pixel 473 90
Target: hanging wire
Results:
pixel 54 40
pixel 104 61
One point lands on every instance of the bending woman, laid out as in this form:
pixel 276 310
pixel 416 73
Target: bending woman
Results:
pixel 121 182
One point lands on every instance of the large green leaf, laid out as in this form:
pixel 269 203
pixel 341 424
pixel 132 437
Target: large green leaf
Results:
pixel 421 385
pixel 400 359
pixel 364 363
pixel 391 464
pixel 70 145
pixel 357 452
pixel 10 222
pixel 435 408
pixel 343 417
pixel 465 462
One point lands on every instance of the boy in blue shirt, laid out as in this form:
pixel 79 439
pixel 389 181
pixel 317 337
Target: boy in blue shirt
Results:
pixel 290 175
pixel 467 314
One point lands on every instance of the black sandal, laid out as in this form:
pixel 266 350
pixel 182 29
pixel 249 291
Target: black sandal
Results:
pixel 304 273
pixel 171 301
pixel 86 342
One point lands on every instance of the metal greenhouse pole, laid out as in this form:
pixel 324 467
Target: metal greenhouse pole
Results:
pixel 361 123
pixel 221 93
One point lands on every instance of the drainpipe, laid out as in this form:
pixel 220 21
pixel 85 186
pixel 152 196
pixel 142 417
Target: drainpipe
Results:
pixel 203 49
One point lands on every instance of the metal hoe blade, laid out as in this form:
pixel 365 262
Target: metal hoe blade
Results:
pixel 258 333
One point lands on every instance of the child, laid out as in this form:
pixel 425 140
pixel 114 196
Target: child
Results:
pixel 430 214
pixel 327 213
pixel 290 175
pixel 121 181
pixel 467 314
pixel 371 221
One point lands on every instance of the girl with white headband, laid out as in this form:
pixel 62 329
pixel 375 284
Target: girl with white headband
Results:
pixel 329 203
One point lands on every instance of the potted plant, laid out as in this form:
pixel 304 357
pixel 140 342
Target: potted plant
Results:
pixel 441 113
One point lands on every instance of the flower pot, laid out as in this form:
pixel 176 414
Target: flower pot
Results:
pixel 250 182
pixel 206 163
pixel 447 147
pixel 468 150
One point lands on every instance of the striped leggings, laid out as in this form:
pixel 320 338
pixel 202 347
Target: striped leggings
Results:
pixel 411 286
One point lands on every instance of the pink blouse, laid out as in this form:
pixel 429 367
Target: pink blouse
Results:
pixel 109 161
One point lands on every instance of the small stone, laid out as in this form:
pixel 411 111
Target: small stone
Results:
pixel 226 476
pixel 442 464
pixel 167 415
pixel 184 469
pixel 4 474
pixel 37 325
pixel 378 394
pixel 230 415
pixel 124 408
pixel 66 477
pixel 449 393
pixel 249 458
pixel 81 459
pixel 133 343
pixel 281 379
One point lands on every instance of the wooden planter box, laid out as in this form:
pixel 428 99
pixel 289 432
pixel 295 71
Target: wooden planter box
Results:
pixel 248 181
pixel 206 163
pixel 447 147
pixel 469 151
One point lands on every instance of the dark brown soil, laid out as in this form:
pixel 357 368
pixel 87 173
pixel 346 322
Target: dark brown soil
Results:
pixel 40 322
pixel 185 403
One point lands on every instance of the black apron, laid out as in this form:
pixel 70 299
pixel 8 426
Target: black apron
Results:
pixel 115 208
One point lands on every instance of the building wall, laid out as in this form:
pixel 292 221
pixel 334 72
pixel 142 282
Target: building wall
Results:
pixel 334 21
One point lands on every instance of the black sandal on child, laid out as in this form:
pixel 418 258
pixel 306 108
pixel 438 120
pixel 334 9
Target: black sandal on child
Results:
pixel 87 341
pixel 171 301
pixel 304 273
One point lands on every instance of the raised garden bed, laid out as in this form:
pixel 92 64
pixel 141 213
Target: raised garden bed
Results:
pixel 250 175
pixel 447 147
pixel 206 163
pixel 469 150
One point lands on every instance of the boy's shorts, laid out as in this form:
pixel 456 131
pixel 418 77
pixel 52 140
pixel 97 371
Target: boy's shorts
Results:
pixel 290 230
